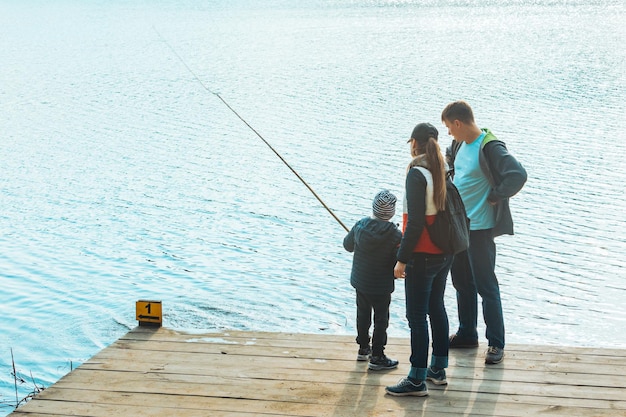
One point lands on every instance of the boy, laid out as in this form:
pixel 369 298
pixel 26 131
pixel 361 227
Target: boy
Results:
pixel 374 241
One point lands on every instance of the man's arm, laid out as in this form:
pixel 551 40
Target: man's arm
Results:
pixel 508 174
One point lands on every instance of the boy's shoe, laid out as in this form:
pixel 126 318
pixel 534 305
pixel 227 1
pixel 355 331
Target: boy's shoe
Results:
pixel 494 355
pixel 379 363
pixel 364 354
pixel 460 342
pixel 436 377
pixel 407 387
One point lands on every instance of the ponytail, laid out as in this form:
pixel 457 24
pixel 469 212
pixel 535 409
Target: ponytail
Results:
pixel 431 152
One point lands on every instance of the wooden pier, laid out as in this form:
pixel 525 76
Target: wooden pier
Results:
pixel 162 372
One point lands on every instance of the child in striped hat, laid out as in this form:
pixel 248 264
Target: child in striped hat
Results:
pixel 374 241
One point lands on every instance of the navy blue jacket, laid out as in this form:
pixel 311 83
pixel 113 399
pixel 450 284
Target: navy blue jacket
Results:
pixel 374 243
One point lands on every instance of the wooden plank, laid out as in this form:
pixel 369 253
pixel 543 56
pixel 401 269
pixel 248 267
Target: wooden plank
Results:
pixel 163 373
pixel 319 339
pixel 337 350
pixel 99 403
pixel 302 389
pixel 474 359
pixel 287 368
pixel 302 341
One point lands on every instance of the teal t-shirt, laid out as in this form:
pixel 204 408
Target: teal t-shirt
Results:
pixel 473 185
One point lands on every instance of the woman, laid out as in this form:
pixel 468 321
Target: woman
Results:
pixel 423 265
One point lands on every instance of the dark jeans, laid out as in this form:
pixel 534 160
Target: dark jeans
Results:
pixel 473 272
pixel 379 303
pixel 425 285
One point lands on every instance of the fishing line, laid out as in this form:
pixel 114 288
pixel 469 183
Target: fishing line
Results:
pixel 251 128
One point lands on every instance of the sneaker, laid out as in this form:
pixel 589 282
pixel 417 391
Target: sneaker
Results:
pixel 460 342
pixel 364 354
pixel 436 377
pixel 379 363
pixel 407 387
pixel 494 355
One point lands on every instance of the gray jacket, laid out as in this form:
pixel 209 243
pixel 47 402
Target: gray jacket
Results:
pixel 505 174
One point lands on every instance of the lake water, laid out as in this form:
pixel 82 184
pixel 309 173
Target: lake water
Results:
pixel 123 178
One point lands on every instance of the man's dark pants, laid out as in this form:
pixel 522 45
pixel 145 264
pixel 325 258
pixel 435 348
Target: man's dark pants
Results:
pixel 473 272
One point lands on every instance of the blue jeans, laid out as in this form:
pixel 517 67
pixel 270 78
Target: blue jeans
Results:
pixel 425 285
pixel 473 272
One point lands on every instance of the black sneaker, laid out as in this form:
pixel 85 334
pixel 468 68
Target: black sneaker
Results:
pixel 407 387
pixel 494 355
pixel 379 363
pixel 364 354
pixel 460 342
pixel 436 377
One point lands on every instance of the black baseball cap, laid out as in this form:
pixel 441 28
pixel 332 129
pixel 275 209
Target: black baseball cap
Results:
pixel 423 131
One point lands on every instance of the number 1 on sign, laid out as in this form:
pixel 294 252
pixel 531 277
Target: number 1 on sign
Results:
pixel 148 311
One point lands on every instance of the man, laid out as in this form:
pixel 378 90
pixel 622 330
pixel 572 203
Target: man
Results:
pixel 486 176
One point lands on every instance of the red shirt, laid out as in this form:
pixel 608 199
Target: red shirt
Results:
pixel 424 244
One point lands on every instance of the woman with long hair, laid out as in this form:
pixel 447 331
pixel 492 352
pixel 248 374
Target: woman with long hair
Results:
pixel 423 265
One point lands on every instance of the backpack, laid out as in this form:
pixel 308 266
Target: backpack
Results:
pixel 450 231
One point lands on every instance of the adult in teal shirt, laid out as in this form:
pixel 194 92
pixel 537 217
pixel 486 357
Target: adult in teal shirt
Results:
pixel 486 175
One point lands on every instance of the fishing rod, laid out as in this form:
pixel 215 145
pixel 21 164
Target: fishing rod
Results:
pixel 251 128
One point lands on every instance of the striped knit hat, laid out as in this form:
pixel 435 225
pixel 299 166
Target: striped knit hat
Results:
pixel 384 205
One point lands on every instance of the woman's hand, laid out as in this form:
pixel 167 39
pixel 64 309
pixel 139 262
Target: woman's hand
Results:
pixel 398 270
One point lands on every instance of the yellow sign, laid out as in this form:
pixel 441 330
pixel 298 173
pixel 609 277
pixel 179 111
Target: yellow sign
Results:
pixel 149 312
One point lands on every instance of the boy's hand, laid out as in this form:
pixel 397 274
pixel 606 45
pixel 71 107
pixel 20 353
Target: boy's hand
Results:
pixel 398 270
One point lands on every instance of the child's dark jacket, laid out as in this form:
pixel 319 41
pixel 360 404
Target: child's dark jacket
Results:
pixel 374 243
